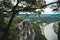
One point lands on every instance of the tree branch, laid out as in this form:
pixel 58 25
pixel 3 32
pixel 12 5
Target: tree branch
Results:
pixel 5 35
pixel 30 7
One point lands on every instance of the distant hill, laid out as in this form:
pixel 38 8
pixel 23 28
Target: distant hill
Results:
pixel 47 18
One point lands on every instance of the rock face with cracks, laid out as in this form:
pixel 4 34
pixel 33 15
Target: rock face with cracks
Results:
pixel 26 30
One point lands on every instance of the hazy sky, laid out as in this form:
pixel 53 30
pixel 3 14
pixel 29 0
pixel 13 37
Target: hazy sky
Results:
pixel 49 1
pixel 49 10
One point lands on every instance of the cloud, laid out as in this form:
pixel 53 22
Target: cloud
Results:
pixel 48 11
pixel 49 1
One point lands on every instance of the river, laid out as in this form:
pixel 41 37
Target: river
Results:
pixel 49 32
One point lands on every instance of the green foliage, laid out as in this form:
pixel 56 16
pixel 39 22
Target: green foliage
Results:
pixel 13 32
pixel 38 33
pixel 31 1
pixel 7 3
pixel 55 27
